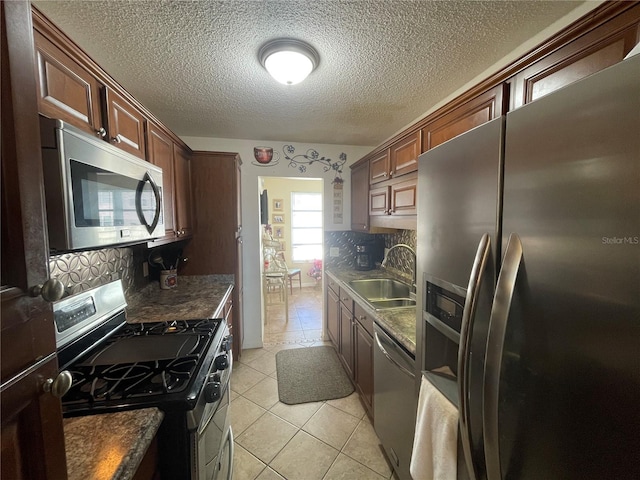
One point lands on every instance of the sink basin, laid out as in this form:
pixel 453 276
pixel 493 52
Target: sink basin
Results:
pixel 393 303
pixel 382 293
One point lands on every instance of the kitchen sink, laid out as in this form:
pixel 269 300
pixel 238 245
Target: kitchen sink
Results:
pixel 383 293
pixel 393 303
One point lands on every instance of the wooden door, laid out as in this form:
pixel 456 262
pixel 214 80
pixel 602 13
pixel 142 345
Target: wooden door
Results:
pixel 379 167
pixel 160 153
pixel 360 197
pixel 182 173
pixel 379 201
pixel 404 197
pixel 333 317
pixel 32 432
pixel 479 110
pixel 65 89
pixel 125 124
pixel 364 365
pixel 404 155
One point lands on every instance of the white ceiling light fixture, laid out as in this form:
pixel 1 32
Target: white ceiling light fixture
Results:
pixel 289 61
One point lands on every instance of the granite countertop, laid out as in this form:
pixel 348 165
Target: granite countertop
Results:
pixel 109 446
pixel 399 323
pixel 194 297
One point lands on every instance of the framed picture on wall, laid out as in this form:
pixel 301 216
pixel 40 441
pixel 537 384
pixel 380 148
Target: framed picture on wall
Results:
pixel 277 205
pixel 278 232
pixel 277 218
pixel 283 246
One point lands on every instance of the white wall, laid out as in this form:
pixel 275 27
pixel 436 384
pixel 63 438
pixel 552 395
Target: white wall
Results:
pixel 279 167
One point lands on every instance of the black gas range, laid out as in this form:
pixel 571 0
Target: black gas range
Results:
pixel 182 367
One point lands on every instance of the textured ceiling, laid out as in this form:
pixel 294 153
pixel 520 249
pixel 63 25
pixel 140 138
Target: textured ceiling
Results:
pixel 383 64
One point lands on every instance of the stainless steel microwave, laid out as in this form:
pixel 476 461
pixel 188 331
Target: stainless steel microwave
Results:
pixel 96 194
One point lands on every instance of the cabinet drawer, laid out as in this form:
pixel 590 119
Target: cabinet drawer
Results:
pixel 363 318
pixel 333 286
pixel 346 300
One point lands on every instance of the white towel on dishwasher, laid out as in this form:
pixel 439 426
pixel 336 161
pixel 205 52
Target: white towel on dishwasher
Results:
pixel 435 443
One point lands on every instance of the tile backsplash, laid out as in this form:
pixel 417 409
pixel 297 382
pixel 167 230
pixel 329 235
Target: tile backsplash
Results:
pixel 346 241
pixel 80 271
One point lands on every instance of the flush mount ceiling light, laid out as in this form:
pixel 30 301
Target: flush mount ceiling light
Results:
pixel 289 61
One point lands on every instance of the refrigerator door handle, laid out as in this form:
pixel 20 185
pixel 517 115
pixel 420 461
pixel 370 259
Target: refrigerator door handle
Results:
pixel 466 329
pixel 495 347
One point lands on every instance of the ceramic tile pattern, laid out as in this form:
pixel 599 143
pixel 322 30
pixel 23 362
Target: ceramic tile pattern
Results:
pixel 309 441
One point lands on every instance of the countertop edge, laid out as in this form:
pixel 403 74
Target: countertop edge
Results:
pixel 93 443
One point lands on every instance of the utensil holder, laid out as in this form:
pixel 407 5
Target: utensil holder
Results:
pixel 168 279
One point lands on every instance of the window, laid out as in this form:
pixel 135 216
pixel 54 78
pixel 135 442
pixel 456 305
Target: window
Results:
pixel 306 226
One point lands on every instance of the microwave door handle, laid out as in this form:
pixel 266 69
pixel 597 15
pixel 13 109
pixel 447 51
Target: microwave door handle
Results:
pixel 505 289
pixel 156 192
pixel 468 317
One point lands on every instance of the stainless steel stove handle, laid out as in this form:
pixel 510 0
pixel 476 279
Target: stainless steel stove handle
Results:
pixel 468 317
pixel 495 346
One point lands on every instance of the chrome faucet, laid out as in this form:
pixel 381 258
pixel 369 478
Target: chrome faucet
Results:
pixel 413 252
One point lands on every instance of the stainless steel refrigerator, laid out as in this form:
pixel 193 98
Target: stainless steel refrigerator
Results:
pixel 529 299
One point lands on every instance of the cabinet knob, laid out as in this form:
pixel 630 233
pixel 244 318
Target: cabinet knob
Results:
pixel 101 132
pixel 116 139
pixel 51 290
pixel 58 386
pixel 384 174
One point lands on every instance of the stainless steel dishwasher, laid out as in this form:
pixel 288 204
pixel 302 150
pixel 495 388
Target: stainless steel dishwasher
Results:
pixel 394 401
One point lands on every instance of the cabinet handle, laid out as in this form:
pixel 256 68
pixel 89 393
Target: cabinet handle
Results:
pixel 116 139
pixel 101 132
pixel 384 174
pixel 362 318
pixel 58 386
pixel 391 174
pixel 364 228
pixel 51 290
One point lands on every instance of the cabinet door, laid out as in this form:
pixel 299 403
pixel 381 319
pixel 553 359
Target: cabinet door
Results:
pixel 404 197
pixel 66 90
pixel 364 365
pixel 125 124
pixel 404 155
pixel 599 49
pixel 182 172
pixel 32 432
pixel 379 167
pixel 346 338
pixel 475 112
pixel 379 201
pixel 360 198
pixel 333 317
pixel 160 153
pixel 238 298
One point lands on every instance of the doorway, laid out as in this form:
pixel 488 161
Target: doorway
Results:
pixel 291 246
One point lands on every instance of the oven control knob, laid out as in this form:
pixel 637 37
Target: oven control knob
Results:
pixel 227 342
pixel 222 362
pixel 212 392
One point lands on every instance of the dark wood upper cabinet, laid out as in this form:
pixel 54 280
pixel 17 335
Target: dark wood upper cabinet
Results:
pixel 379 167
pixel 404 155
pixel 595 51
pixel 65 89
pixel 182 192
pixel 160 153
pixel 475 112
pixel 360 197
pixel 32 431
pixel 404 196
pixel 125 126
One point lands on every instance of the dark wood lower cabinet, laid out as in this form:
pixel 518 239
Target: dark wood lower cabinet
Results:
pixel 364 366
pixel 350 329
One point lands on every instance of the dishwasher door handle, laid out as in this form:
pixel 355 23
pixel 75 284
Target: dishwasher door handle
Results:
pixel 390 358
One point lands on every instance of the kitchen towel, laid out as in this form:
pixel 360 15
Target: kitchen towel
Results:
pixel 435 443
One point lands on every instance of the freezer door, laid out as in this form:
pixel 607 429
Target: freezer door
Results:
pixel 561 401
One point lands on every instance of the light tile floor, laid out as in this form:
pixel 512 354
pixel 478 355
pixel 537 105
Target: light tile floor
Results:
pixel 328 440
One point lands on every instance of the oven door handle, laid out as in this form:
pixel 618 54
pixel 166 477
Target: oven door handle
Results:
pixel 231 454
pixel 158 198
